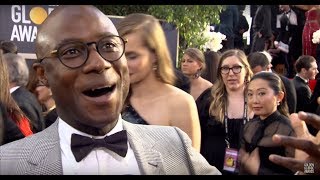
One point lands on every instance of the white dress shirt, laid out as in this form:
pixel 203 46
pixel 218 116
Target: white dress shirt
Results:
pixel 100 161
pixel 13 89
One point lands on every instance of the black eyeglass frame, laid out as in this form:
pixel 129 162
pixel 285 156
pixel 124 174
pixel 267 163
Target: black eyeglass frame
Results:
pixel 231 68
pixel 55 51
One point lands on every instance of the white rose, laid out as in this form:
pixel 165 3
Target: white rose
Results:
pixel 316 37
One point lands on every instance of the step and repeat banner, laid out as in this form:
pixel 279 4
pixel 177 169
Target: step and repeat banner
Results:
pixel 19 23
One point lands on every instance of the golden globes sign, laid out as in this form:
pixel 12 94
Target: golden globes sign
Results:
pixel 19 23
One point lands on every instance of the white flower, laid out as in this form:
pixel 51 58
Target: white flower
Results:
pixel 214 40
pixel 316 37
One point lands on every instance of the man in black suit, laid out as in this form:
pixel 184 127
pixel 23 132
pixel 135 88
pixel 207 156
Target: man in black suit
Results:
pixel 261 61
pixel 28 103
pixel 307 69
pixel 295 47
pixel 229 19
pixel 240 29
pixel 262 28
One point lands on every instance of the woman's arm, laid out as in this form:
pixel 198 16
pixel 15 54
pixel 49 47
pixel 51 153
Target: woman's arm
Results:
pixel 185 116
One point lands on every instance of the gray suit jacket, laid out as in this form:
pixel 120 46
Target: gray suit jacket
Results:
pixel 158 150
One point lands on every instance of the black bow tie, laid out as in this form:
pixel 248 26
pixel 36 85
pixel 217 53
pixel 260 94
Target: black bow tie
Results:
pixel 81 146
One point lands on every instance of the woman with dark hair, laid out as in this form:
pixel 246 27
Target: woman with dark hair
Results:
pixel 10 110
pixel 266 97
pixel 211 61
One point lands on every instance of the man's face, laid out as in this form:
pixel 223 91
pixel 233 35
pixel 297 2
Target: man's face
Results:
pixel 93 94
pixel 284 8
pixel 312 71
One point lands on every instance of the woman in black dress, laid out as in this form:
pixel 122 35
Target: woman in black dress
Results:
pixel 266 98
pixel 223 113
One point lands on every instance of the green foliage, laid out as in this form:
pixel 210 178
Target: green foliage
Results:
pixel 190 20
pixel 123 10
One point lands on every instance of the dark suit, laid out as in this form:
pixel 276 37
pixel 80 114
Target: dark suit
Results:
pixel 303 94
pixel 261 24
pixel 313 100
pixel 51 117
pixel 30 106
pixel 314 107
pixel 291 95
pixel 229 19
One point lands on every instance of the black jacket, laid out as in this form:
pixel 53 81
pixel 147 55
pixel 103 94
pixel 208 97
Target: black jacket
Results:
pixel 30 106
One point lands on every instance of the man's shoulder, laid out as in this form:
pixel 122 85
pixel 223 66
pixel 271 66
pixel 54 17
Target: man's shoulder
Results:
pixel 154 132
pixel 28 144
pixel 23 94
pixel 297 81
pixel 19 147
pixel 148 128
pixel 286 80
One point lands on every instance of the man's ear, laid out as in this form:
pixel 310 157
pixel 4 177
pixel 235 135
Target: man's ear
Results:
pixel 39 71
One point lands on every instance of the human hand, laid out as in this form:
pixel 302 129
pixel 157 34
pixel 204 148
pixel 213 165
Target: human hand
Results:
pixel 274 52
pixel 310 118
pixel 307 146
pixel 250 162
pixel 276 44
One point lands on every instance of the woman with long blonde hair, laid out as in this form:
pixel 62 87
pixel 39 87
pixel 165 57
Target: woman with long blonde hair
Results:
pixel 228 110
pixel 153 98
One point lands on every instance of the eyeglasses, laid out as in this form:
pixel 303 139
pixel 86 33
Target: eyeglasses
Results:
pixel 75 54
pixel 235 69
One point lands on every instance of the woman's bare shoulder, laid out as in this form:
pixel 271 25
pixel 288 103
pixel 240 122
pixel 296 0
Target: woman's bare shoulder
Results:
pixel 179 98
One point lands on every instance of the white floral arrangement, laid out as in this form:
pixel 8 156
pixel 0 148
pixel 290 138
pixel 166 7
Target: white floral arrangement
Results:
pixel 214 40
pixel 316 37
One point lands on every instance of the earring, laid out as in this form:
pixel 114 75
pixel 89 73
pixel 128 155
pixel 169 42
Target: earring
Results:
pixel 246 81
pixel 197 75
pixel 278 103
pixel 155 67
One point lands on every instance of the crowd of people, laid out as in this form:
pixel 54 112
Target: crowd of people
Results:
pixel 105 98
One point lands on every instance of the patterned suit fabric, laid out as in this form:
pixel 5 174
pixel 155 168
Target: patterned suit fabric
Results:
pixel 158 150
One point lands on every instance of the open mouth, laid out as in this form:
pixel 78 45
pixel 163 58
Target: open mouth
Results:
pixel 96 92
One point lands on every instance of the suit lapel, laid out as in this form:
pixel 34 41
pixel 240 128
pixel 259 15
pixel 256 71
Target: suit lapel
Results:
pixel 149 161
pixel 46 157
